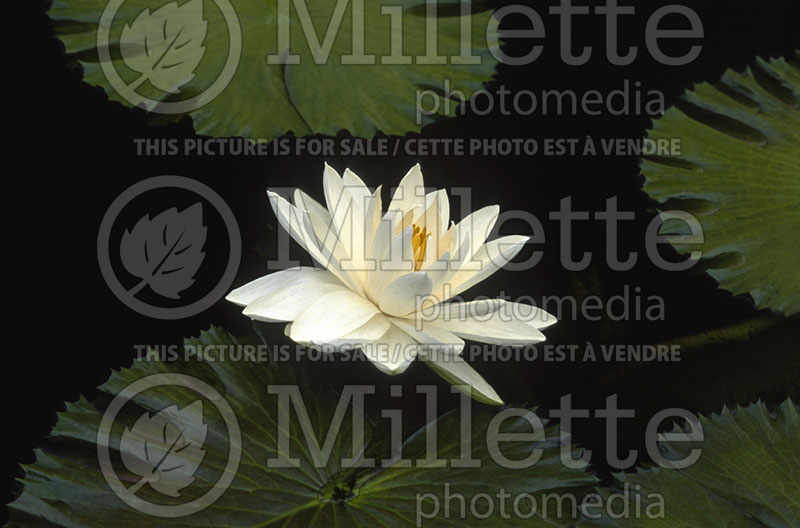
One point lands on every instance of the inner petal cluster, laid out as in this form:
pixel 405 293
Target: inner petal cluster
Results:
pixel 388 283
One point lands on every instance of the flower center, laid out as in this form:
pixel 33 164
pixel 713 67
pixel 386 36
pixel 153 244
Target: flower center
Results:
pixel 419 241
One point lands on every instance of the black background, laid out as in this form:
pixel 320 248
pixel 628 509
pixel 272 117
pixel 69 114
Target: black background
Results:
pixel 72 153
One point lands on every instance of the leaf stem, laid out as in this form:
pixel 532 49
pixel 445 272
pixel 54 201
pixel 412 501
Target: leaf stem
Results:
pixel 136 289
pixel 133 489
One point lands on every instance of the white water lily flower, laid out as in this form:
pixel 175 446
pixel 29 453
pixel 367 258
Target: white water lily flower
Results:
pixel 386 279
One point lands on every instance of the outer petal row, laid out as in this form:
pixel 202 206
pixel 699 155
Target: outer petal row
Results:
pixel 300 285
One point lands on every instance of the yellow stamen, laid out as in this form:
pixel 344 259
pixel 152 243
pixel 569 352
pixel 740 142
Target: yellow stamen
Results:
pixel 419 242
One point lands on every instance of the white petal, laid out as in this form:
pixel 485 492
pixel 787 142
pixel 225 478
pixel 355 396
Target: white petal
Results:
pixel 357 188
pixel 428 215
pixel 475 229
pixel 443 276
pixel 325 234
pixel 460 310
pixel 380 241
pixel 340 204
pixel 321 223
pixel 494 321
pixel 495 329
pixel 307 203
pixel 334 187
pixel 279 281
pixel 480 317
pixel 298 224
pixel 373 329
pixel 405 294
pixel 536 317
pixel 393 352
pixel 446 241
pixel 439 270
pixel 488 259
pixel 347 202
pixel 457 372
pixel 290 218
pixel 410 193
pixel 402 221
pixel 360 199
pixel 332 316
pixel 284 296
pixel 443 212
pixel 372 219
pixel 432 337
pixel 287 305
pixel 396 259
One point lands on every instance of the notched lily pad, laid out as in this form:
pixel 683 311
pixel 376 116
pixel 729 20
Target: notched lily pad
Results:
pixel 66 488
pixel 748 475
pixel 740 164
pixel 159 54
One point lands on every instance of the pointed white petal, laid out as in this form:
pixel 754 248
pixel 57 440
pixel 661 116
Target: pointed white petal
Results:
pixel 333 186
pixel 278 281
pixel 380 241
pixel 405 294
pixel 393 352
pixel 321 223
pixel 372 219
pixel 340 206
pixel 332 316
pixel 402 221
pixel 488 259
pixel 439 270
pixel 360 199
pixel 457 372
pixel 324 233
pixel 479 317
pixel 475 229
pixel 307 203
pixel 494 329
pixel 435 212
pixel 396 259
pixel 493 321
pixel 535 317
pixel 357 188
pixel 288 304
pixel 443 277
pixel 373 329
pixel 283 296
pixel 432 337
pixel 410 193
pixel 290 218
pixel 444 312
pixel 299 225
pixel 446 242
pixel 443 212
pixel 347 200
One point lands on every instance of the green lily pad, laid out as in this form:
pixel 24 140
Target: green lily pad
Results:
pixel 748 475
pixel 739 173
pixel 162 55
pixel 65 486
